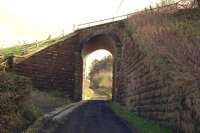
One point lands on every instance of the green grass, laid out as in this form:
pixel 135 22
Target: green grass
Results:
pixel 21 104
pixel 144 126
pixel 25 49
pixel 28 48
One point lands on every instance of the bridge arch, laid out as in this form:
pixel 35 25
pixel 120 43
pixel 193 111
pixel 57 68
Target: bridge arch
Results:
pixel 95 41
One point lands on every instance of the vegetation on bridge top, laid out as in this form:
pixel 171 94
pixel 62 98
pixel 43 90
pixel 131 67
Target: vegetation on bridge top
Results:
pixel 170 42
pixel 168 39
pixel 29 48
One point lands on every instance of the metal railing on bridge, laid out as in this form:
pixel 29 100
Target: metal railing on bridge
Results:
pixel 168 8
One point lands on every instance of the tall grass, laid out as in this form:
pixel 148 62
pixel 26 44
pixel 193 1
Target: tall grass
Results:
pixel 135 121
pixel 21 104
pixel 175 37
pixel 24 49
pixel 171 41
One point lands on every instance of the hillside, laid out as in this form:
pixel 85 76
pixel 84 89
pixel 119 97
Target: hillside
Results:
pixel 21 104
pixel 26 49
pixel 170 43
pixel 169 39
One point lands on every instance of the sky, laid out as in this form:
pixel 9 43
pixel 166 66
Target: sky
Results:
pixel 30 20
pixel 96 55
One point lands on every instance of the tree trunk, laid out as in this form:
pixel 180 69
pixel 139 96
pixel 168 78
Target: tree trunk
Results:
pixel 198 1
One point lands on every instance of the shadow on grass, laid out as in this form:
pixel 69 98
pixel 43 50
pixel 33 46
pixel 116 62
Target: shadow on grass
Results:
pixel 142 125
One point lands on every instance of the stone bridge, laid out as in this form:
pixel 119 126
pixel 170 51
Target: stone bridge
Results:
pixel 60 66
pixel 137 83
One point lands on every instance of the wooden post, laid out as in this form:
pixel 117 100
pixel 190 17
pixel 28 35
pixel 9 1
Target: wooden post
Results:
pixel 151 9
pixel 63 33
pixel 36 43
pixel 74 27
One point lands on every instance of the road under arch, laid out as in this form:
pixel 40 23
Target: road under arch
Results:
pixel 106 41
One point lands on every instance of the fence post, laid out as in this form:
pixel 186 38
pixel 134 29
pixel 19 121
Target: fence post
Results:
pixel 63 33
pixel 151 9
pixel 74 27
pixel 36 43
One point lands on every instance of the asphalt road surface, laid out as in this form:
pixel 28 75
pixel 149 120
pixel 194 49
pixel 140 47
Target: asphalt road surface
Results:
pixel 93 117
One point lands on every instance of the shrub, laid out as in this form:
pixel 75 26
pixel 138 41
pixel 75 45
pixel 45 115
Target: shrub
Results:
pixel 15 113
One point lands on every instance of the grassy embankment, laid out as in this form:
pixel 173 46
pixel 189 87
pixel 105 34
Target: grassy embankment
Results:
pixel 21 104
pixel 142 125
pixel 24 49
pixel 171 43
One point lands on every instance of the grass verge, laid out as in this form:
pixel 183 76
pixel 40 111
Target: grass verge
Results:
pixel 144 126
pixel 21 104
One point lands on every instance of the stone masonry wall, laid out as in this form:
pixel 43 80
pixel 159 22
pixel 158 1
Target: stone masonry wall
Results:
pixel 52 68
pixel 154 92
pixel 143 89
pixel 59 66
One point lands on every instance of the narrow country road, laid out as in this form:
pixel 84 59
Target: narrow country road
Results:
pixel 93 117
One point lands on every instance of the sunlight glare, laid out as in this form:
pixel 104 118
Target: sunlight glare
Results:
pixel 96 55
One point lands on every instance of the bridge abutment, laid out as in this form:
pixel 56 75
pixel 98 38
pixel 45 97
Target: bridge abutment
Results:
pixel 77 93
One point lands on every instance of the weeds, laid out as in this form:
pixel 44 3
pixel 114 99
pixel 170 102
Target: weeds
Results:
pixel 171 42
pixel 174 37
pixel 144 126
pixel 21 104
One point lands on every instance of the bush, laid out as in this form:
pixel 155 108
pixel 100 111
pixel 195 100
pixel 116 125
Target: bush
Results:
pixel 171 43
pixel 15 114
pixel 21 104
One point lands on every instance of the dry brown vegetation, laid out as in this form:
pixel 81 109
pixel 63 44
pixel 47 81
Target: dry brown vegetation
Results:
pixel 172 43
pixel 14 90
pixel 21 104
pixel 176 37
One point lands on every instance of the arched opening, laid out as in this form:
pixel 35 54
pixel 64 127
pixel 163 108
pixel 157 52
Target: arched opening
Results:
pixel 97 75
pixel 99 40
pixel 97 80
